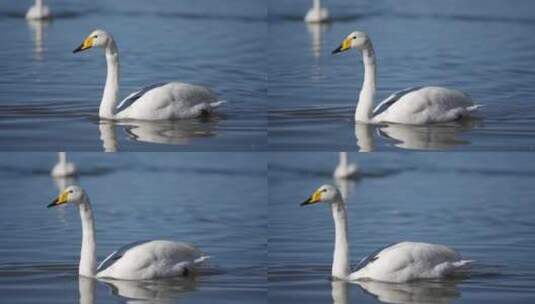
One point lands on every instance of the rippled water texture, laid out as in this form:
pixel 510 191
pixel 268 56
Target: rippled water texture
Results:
pixel 481 47
pixel 478 203
pixel 194 197
pixel 49 97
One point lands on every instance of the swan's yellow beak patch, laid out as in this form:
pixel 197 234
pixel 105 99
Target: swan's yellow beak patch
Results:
pixel 346 45
pixel 87 44
pixel 61 199
pixel 314 198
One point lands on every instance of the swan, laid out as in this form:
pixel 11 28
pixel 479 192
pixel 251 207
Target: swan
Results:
pixel 397 263
pixel 416 106
pixel 317 14
pixel 38 11
pixel 142 260
pixel 345 170
pixel 162 101
pixel 63 168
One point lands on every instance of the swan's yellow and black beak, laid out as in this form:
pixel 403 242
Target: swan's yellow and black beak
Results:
pixel 60 200
pixel 87 44
pixel 346 45
pixel 314 198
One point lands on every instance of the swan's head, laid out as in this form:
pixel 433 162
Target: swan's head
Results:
pixel 324 194
pixel 71 194
pixel 356 40
pixel 97 38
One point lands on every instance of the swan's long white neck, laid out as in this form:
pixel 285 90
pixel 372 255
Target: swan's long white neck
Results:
pixel 111 89
pixel 62 157
pixel 316 6
pixel 340 268
pixel 39 3
pixel 88 263
pixel 364 109
pixel 343 159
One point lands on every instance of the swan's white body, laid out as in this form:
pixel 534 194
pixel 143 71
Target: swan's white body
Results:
pixel 317 14
pixel 416 106
pixel 401 262
pixel 173 100
pixel 63 168
pixel 344 169
pixel 38 11
pixel 138 261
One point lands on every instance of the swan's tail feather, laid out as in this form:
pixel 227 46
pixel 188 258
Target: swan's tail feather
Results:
pixel 201 259
pixel 217 103
pixel 462 263
pixel 473 108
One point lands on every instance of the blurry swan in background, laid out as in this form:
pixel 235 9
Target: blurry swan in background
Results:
pixel 398 263
pixel 317 14
pixel 345 169
pixel 38 11
pixel 141 260
pixel 63 168
pixel 415 106
pixel 163 101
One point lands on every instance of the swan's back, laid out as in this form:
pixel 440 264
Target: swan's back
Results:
pixel 424 105
pixel 154 259
pixel 407 261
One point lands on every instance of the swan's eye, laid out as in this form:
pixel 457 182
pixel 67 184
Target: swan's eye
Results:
pixel 70 191
pixel 95 36
pixel 324 190
pixel 354 37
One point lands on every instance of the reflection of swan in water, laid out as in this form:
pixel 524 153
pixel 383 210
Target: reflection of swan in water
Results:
pixel 176 132
pixel 364 136
pixel 315 30
pixel 108 135
pixel 429 137
pixel 339 291
pixel 416 292
pixel 161 291
pixel 86 288
pixel 37 26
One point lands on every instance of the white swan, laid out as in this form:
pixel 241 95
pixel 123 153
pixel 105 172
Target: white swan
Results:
pixel 63 168
pixel 38 11
pixel 317 14
pixel 400 262
pixel 173 100
pixel 417 106
pixel 345 170
pixel 143 260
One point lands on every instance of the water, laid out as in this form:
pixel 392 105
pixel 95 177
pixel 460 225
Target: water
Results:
pixel 479 47
pixel 135 197
pixel 481 204
pixel 49 97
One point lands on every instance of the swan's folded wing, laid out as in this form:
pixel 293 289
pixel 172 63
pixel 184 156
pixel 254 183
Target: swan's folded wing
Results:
pixel 370 258
pixel 130 99
pixel 385 104
pixel 117 254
